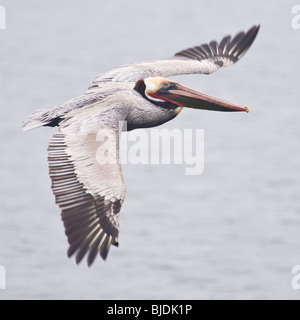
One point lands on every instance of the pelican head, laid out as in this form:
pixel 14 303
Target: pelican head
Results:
pixel 159 89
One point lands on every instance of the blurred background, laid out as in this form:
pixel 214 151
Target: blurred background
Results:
pixel 232 232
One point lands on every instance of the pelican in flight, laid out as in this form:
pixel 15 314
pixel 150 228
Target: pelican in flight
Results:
pixel 89 189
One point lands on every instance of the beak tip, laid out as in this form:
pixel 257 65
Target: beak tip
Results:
pixel 247 110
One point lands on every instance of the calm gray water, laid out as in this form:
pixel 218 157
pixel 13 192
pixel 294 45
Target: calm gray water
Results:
pixel 232 232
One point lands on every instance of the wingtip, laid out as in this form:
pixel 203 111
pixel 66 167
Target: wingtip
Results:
pixel 255 29
pixel 104 253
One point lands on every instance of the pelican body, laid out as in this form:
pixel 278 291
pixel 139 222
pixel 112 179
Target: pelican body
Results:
pixel 89 189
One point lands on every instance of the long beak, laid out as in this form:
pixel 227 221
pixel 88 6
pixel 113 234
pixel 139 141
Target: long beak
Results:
pixel 187 97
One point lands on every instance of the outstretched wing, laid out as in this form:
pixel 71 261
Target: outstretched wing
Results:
pixel 87 177
pixel 206 59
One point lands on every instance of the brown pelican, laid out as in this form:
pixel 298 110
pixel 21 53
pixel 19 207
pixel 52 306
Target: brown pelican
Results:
pixel 90 190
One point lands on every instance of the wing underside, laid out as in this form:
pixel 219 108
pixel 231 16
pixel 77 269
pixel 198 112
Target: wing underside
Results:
pixel 87 179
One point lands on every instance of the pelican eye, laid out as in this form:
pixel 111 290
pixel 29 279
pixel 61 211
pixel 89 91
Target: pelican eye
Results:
pixel 165 84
